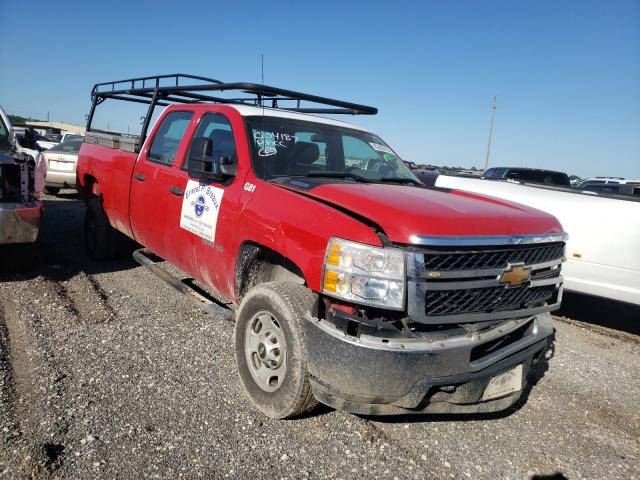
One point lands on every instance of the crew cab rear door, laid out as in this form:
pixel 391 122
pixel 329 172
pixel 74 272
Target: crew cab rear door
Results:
pixel 152 178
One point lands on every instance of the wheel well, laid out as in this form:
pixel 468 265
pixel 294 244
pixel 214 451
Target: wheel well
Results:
pixel 257 264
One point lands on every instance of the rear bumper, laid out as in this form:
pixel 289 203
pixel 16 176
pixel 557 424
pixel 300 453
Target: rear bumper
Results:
pixel 60 179
pixel 373 375
pixel 19 223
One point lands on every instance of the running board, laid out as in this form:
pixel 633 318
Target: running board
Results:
pixel 187 286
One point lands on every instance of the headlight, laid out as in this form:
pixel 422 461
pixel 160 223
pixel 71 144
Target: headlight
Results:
pixel 364 274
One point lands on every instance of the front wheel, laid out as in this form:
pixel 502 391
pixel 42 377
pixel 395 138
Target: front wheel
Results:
pixel 269 348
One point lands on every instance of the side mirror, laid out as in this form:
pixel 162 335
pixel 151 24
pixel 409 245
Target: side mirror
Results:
pixel 225 167
pixel 202 164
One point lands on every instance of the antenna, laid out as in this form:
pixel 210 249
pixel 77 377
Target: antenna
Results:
pixel 493 114
pixel 264 159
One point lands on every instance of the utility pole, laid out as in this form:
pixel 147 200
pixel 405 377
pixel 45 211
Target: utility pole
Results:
pixel 47 116
pixel 493 114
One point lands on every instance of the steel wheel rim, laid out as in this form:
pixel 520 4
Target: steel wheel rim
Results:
pixel 265 351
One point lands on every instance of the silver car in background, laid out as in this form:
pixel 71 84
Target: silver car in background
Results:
pixel 61 163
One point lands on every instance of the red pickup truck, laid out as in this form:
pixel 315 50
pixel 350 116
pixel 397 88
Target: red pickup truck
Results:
pixel 352 283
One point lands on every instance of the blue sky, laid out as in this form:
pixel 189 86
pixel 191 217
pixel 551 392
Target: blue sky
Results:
pixel 566 73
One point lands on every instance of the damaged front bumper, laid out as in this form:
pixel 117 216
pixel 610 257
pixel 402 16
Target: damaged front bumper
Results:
pixel 19 222
pixel 372 374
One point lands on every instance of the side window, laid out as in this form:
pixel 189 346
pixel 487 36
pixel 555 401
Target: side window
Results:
pixel 165 144
pixel 216 127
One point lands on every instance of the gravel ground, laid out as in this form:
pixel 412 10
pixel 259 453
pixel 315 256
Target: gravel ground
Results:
pixel 107 372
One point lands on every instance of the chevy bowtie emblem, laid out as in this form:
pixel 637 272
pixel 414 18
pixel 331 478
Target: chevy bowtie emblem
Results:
pixel 515 275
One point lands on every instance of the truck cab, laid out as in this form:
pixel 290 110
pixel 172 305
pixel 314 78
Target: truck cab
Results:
pixel 351 282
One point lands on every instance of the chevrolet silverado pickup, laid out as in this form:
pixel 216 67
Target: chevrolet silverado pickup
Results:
pixel 352 283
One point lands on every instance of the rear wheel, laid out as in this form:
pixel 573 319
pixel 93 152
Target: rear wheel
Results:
pixel 52 190
pixel 269 348
pixel 102 241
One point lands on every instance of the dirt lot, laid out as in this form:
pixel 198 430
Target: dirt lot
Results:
pixel 107 372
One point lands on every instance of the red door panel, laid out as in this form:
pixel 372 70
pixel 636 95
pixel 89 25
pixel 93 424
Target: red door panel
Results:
pixel 207 261
pixel 152 178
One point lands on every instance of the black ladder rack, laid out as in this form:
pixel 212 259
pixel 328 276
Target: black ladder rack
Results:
pixel 171 89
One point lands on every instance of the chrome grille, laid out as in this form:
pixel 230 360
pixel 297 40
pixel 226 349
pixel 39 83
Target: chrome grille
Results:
pixel 462 283
pixel 491 258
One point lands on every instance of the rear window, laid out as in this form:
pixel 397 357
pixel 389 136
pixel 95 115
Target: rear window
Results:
pixel 73 137
pixel 70 146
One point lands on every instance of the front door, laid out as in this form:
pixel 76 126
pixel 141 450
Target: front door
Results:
pixel 200 215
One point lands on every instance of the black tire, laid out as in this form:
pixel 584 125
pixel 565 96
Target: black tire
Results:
pixel 286 302
pixel 101 240
pixel 52 190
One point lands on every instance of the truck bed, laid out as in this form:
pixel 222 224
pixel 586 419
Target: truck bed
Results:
pixel 119 141
pixel 105 156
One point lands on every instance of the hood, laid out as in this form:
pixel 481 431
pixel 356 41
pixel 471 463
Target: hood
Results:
pixel 403 211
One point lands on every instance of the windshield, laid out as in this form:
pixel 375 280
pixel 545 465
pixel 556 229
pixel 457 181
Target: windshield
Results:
pixel 73 137
pixel 283 147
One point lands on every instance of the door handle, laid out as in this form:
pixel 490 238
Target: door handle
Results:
pixel 139 176
pixel 176 191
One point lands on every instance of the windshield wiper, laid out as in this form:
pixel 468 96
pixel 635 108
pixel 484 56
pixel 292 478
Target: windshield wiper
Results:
pixel 398 180
pixel 349 175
